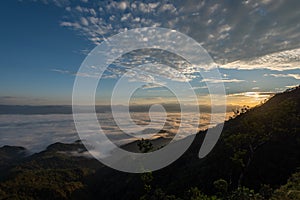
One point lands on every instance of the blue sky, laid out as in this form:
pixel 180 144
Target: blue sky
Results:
pixel 43 43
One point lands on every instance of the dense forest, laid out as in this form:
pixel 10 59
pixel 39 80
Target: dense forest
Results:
pixel 257 157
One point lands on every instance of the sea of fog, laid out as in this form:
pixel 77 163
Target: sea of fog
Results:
pixel 36 132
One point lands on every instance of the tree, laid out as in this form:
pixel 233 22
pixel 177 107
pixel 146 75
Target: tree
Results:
pixel 145 145
pixel 222 187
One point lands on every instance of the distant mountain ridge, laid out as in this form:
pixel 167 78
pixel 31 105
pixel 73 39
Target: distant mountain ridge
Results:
pixel 67 109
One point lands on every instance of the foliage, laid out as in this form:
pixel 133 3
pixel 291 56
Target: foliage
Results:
pixel 243 193
pixel 289 191
pixel 147 179
pixel 145 145
pixel 195 194
pixel 43 184
pixel 266 191
pixel 159 194
pixel 221 186
pixel 239 111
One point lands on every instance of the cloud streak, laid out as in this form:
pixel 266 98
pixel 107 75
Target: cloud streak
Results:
pixel 279 61
pixel 222 80
pixel 294 76
pixel 89 75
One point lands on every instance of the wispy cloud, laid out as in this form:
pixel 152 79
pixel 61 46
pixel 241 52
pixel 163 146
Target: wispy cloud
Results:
pixel 89 75
pixel 62 71
pixel 252 94
pixel 291 86
pixel 279 61
pixel 222 80
pixel 59 3
pixel 294 76
pixel 17 100
pixel 152 85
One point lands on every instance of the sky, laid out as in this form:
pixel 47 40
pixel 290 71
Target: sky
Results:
pixel 255 44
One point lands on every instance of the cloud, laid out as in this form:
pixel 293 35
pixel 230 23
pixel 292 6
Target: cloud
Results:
pixel 260 28
pixel 252 94
pixel 248 98
pixel 62 71
pixel 36 131
pixel 84 21
pixel 91 19
pixel 89 75
pixel 279 61
pixel 262 35
pixel 295 76
pixel 199 87
pixel 17 100
pixel 291 86
pixel 148 65
pixel 7 97
pixel 222 80
pixel 58 3
pixel 152 85
pixel 39 131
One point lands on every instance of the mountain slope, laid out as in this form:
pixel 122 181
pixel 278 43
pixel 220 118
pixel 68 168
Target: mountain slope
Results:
pixel 261 146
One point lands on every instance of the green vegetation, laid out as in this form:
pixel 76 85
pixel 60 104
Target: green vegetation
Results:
pixel 144 145
pixel 43 184
pixel 289 191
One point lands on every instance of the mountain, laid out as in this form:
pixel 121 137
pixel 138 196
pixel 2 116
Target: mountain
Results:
pixel 11 155
pixel 259 149
pixel 67 109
